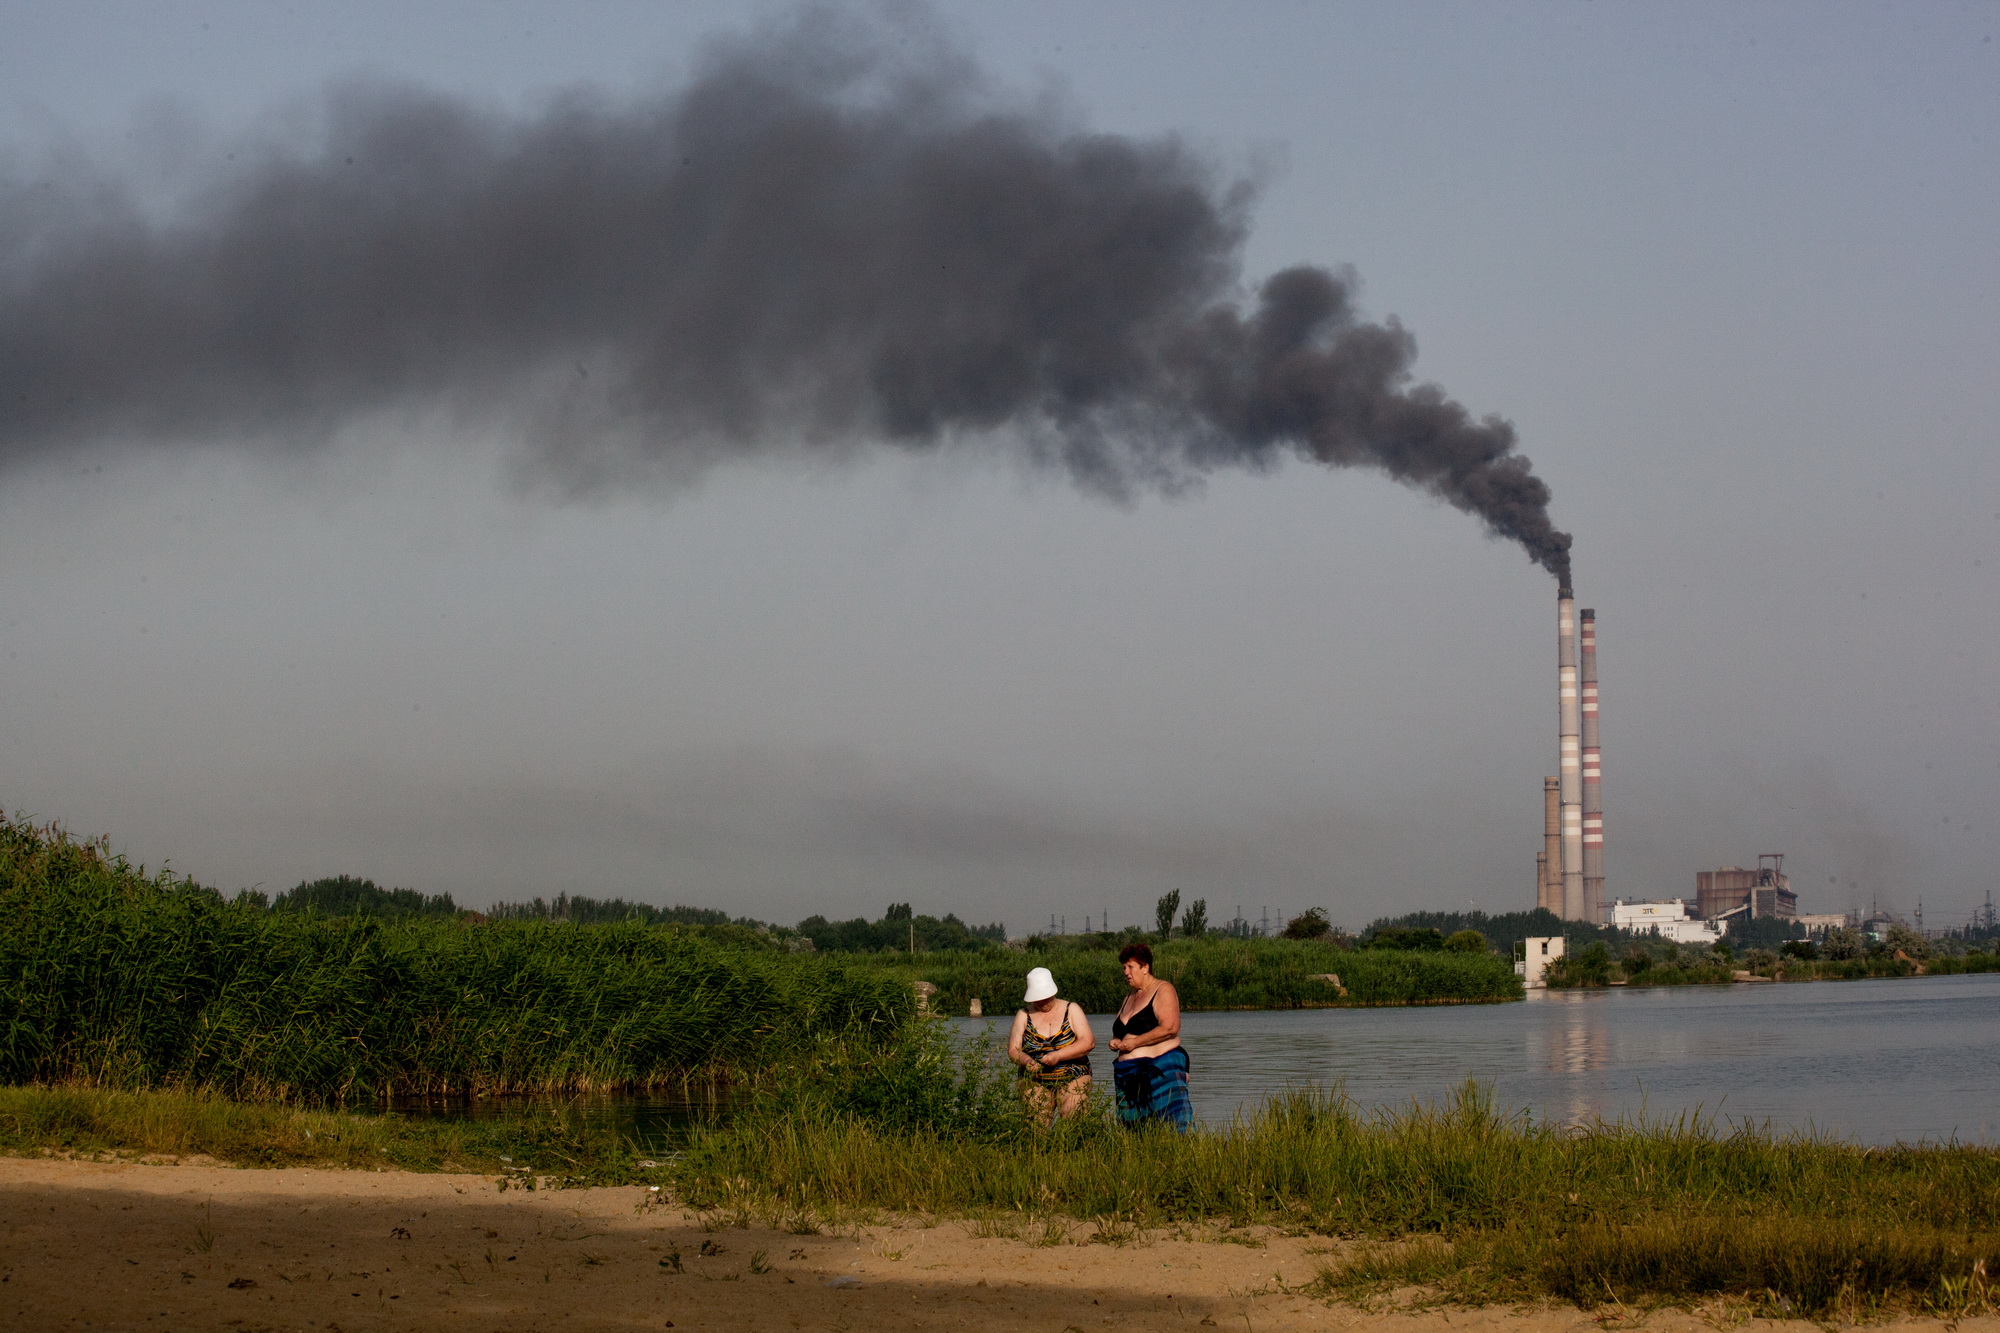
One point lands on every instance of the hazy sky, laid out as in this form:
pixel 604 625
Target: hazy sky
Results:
pixel 1729 270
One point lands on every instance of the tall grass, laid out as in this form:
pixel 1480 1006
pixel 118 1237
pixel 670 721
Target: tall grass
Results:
pixel 1219 974
pixel 112 977
pixel 1456 1196
pixel 1311 1157
pixel 1477 1205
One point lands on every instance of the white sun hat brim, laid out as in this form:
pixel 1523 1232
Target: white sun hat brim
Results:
pixel 1041 985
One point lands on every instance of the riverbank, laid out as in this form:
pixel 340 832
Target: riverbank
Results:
pixel 136 1247
pixel 1454 1200
pixel 1640 971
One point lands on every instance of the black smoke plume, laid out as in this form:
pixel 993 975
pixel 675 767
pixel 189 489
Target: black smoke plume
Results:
pixel 829 236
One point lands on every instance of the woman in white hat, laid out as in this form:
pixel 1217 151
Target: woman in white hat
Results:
pixel 1051 1042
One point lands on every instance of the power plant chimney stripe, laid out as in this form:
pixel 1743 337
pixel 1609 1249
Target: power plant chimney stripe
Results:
pixel 1592 849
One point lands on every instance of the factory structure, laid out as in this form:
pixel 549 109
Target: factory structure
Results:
pixel 1733 891
pixel 1570 868
pixel 1720 897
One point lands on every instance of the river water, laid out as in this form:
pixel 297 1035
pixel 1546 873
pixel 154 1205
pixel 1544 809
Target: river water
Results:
pixel 1873 1061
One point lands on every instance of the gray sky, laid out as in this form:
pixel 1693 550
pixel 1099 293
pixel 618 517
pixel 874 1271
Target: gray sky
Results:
pixel 1728 270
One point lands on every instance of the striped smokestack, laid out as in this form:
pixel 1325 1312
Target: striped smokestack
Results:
pixel 1549 888
pixel 1571 766
pixel 1593 773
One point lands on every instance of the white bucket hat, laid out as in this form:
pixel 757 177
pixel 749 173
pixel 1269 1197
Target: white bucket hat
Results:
pixel 1041 985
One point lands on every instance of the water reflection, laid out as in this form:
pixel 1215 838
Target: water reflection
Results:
pixel 1575 1038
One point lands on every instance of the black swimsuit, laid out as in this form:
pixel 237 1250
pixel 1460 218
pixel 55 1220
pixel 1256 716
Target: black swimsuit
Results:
pixel 1141 1023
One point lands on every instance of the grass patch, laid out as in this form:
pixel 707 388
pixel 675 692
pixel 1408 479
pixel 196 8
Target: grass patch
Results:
pixel 1312 1159
pixel 1456 1200
pixel 1848 1269
pixel 86 1122
pixel 1472 1205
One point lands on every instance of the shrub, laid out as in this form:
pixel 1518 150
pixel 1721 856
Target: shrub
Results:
pixel 1901 938
pixel 113 977
pixel 1310 924
pixel 1590 967
pixel 1419 939
pixel 344 895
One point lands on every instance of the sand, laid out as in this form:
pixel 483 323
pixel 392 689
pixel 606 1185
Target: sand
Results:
pixel 130 1246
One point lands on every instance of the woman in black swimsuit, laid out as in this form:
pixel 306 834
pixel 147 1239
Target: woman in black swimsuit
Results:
pixel 1055 1063
pixel 1149 1069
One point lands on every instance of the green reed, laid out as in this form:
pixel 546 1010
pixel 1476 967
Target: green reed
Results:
pixel 112 977
pixel 1217 974
pixel 1474 1204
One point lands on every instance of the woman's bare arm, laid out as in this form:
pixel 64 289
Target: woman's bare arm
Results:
pixel 1014 1040
pixel 1166 1008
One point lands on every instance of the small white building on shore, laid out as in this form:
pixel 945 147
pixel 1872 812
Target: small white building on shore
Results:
pixel 1532 957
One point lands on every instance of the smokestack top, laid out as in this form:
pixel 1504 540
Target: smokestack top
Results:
pixel 1565 593
pixel 1588 614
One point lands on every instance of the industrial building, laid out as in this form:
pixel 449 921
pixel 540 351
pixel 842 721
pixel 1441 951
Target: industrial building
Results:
pixel 1669 919
pixel 1731 893
pixel 1761 893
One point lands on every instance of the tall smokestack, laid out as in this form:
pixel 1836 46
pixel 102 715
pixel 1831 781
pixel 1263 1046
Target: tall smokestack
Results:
pixel 1549 891
pixel 1571 767
pixel 1593 774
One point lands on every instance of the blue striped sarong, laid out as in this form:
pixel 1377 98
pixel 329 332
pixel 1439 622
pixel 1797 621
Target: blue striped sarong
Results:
pixel 1155 1089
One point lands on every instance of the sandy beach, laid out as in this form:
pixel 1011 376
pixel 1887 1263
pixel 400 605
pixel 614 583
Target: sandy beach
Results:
pixel 130 1246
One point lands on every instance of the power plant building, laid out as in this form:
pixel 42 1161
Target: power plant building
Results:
pixel 1765 892
pixel 1669 920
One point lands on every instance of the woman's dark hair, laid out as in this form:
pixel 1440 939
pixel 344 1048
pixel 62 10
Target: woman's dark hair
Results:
pixel 1137 952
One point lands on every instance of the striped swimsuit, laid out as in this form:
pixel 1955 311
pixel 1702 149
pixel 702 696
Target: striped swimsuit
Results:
pixel 1034 1045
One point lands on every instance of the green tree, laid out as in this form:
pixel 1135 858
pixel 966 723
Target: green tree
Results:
pixel 1913 945
pixel 1194 924
pixel 1592 967
pixel 1417 939
pixel 345 895
pixel 1164 910
pixel 1310 924
pixel 1842 943
pixel 1466 941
